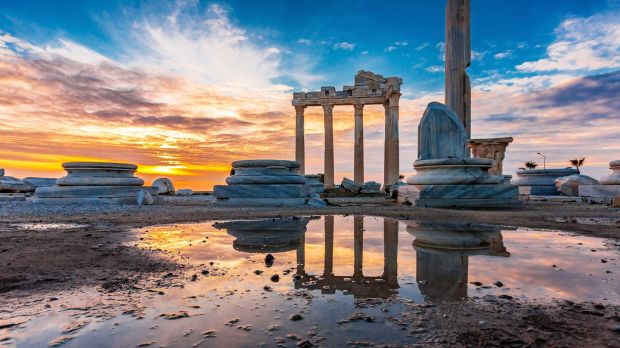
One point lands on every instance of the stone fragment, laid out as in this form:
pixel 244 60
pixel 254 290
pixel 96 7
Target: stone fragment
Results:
pixel 569 185
pixel 41 182
pixel 440 134
pixel 613 179
pixel 316 183
pixel 370 187
pixel 316 202
pixel 493 148
pixel 164 186
pixel 144 198
pixel 184 192
pixel 616 202
pixel 601 194
pixel 541 181
pixel 350 185
pixel 14 185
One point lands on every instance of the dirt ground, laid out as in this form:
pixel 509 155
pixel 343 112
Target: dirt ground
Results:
pixel 103 255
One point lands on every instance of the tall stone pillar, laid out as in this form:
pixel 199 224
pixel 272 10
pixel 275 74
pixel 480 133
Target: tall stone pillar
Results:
pixel 358 158
pixel 328 118
pixel 458 58
pixel 358 246
pixel 328 269
pixel 386 107
pixel 300 151
pixel 391 170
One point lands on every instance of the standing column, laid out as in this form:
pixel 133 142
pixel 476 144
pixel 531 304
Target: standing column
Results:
pixel 328 269
pixel 391 141
pixel 300 151
pixel 358 158
pixel 328 118
pixel 386 107
pixel 390 251
pixel 458 58
pixel 358 246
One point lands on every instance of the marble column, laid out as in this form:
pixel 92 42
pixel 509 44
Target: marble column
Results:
pixel 458 58
pixel 386 107
pixel 328 269
pixel 358 246
pixel 391 170
pixel 358 158
pixel 300 151
pixel 328 119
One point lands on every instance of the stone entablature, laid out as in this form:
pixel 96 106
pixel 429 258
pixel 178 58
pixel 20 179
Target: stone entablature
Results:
pixel 369 88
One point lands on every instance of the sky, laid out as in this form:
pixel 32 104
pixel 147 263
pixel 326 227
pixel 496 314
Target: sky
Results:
pixel 184 88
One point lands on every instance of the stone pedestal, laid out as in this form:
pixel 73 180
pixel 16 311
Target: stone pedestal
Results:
pixel 493 148
pixel 266 235
pixel 607 191
pixel 97 182
pixel 446 177
pixel 263 183
pixel 540 182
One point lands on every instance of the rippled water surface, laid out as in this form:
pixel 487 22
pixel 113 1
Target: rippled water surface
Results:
pixel 325 270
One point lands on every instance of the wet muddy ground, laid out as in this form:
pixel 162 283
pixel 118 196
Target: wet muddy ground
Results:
pixel 131 277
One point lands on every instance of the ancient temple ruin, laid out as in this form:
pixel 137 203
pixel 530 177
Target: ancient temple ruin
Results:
pixel 369 89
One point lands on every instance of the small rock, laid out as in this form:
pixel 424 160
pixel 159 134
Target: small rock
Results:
pixel 163 185
pixel 275 278
pixel 350 185
pixel 144 198
pixel 174 316
pixel 184 192
pixel 205 272
pixel 209 333
pixel 267 288
pixel 498 284
pixel 269 259
pixel 258 272
pixel 232 322
pixel 305 344
pixel 476 283
pixel 296 317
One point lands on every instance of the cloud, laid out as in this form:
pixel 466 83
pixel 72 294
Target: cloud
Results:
pixel 435 69
pixel 422 46
pixel 401 43
pixel 586 44
pixel 390 48
pixel 305 42
pixel 348 46
pixel 503 55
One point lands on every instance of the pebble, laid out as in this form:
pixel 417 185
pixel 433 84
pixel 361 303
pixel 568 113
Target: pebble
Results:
pixel 296 317
pixel 275 278
pixel 498 284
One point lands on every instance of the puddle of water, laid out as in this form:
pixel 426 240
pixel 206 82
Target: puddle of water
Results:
pixel 328 269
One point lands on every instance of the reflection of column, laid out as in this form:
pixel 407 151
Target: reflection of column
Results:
pixel 442 276
pixel 458 58
pixel 392 141
pixel 300 154
pixel 358 246
pixel 328 270
pixel 390 251
pixel 328 119
pixel 358 158
pixel 301 255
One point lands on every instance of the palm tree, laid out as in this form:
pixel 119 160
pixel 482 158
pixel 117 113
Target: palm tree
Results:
pixel 577 162
pixel 531 165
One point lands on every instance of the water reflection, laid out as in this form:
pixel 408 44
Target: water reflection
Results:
pixel 442 255
pixel 356 284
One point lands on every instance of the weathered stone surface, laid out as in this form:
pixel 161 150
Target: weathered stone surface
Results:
pixel 370 187
pixel 350 185
pixel 81 180
pixel 264 171
pixel 265 179
pixel 11 184
pixel 616 202
pixel 468 203
pixel 164 186
pixel 613 179
pixel 316 185
pixel 184 192
pixel 265 163
pixel 603 194
pixel 144 198
pixel 452 171
pixel 541 181
pixel 493 148
pixel 92 191
pixel 440 134
pixel 260 202
pixel 316 202
pixel 261 191
pixel 500 191
pixel 569 185
pixel 83 200
pixel 41 182
pixel 100 165
pixel 12 197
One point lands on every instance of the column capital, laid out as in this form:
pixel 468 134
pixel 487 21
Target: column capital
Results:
pixel 359 107
pixel 328 108
pixel 300 108
pixel 393 99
